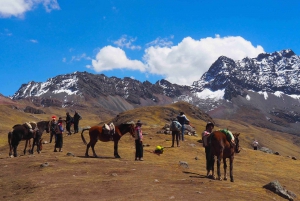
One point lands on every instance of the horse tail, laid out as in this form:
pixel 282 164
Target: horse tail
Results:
pixel 9 136
pixel 82 137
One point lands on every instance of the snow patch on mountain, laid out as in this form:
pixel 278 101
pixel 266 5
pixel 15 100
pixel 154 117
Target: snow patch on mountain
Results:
pixel 209 94
pixel 264 93
pixel 248 97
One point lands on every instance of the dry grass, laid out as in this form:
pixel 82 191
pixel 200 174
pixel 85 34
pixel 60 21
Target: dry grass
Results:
pixel 159 177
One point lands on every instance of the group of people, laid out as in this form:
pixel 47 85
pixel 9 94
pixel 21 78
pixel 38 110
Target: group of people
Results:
pixel 57 129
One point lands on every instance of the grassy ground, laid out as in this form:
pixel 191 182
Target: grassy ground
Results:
pixel 159 177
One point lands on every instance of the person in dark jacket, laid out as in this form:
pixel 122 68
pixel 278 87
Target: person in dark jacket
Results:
pixel 68 123
pixel 206 144
pixel 76 119
pixel 53 124
pixel 181 118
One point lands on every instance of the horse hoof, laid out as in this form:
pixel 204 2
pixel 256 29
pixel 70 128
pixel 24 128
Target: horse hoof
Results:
pixel 231 179
pixel 86 155
pixel 117 156
pixel 225 179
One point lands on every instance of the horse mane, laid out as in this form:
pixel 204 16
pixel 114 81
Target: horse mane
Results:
pixel 17 125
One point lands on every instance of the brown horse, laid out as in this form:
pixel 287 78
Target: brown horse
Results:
pixel 220 147
pixel 21 132
pixel 96 133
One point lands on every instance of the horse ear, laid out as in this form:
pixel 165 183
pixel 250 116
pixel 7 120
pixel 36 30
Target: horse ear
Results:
pixel 237 134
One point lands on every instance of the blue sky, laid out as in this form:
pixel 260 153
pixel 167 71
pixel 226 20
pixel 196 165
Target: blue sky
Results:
pixel 146 40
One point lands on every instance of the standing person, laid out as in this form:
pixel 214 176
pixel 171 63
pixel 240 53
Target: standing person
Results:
pixel 53 124
pixel 255 144
pixel 59 135
pixel 68 123
pixel 138 141
pixel 181 118
pixel 206 144
pixel 76 119
pixel 175 128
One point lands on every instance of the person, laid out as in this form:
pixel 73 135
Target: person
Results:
pixel 76 119
pixel 68 123
pixel 182 119
pixel 138 141
pixel 175 132
pixel 255 144
pixel 206 144
pixel 59 135
pixel 53 124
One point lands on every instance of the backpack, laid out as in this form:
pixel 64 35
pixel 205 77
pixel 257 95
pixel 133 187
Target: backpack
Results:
pixel 175 126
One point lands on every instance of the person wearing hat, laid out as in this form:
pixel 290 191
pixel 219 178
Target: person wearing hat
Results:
pixel 206 144
pixel 138 141
pixel 59 136
pixel 182 119
pixel 255 144
pixel 53 124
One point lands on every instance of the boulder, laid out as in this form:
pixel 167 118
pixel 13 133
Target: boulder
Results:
pixel 276 187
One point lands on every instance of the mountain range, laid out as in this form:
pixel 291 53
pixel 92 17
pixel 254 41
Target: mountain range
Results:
pixel 263 91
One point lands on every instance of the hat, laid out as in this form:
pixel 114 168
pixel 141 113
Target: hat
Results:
pixel 53 117
pixel 139 122
pixel 210 124
pixel 181 113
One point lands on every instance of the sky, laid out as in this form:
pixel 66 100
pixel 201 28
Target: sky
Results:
pixel 149 40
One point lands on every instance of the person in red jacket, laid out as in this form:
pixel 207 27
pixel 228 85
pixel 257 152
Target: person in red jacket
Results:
pixel 59 135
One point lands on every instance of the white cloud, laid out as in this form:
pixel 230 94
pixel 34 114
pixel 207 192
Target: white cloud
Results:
pixel 6 33
pixel 187 61
pixel 126 41
pixel 161 42
pixel 80 57
pixel 33 41
pixel 110 58
pixel 183 63
pixel 18 8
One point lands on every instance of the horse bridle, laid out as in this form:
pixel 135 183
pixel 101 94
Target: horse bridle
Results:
pixel 132 130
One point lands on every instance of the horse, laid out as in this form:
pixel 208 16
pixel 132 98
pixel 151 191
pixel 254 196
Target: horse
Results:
pixel 96 132
pixel 221 148
pixel 21 132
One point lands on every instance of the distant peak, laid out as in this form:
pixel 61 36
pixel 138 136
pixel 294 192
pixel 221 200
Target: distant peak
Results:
pixel 287 53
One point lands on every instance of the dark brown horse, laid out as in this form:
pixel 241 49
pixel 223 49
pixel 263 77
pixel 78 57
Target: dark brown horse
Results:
pixel 21 132
pixel 96 133
pixel 220 147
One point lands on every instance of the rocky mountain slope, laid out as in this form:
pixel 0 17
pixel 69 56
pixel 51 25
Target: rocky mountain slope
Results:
pixel 262 90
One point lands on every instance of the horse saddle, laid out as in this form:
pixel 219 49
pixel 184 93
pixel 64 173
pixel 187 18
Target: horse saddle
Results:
pixel 108 130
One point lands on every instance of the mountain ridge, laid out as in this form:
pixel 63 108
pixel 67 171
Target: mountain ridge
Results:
pixel 267 83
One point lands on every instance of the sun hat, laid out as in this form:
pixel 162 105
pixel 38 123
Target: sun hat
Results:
pixel 139 122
